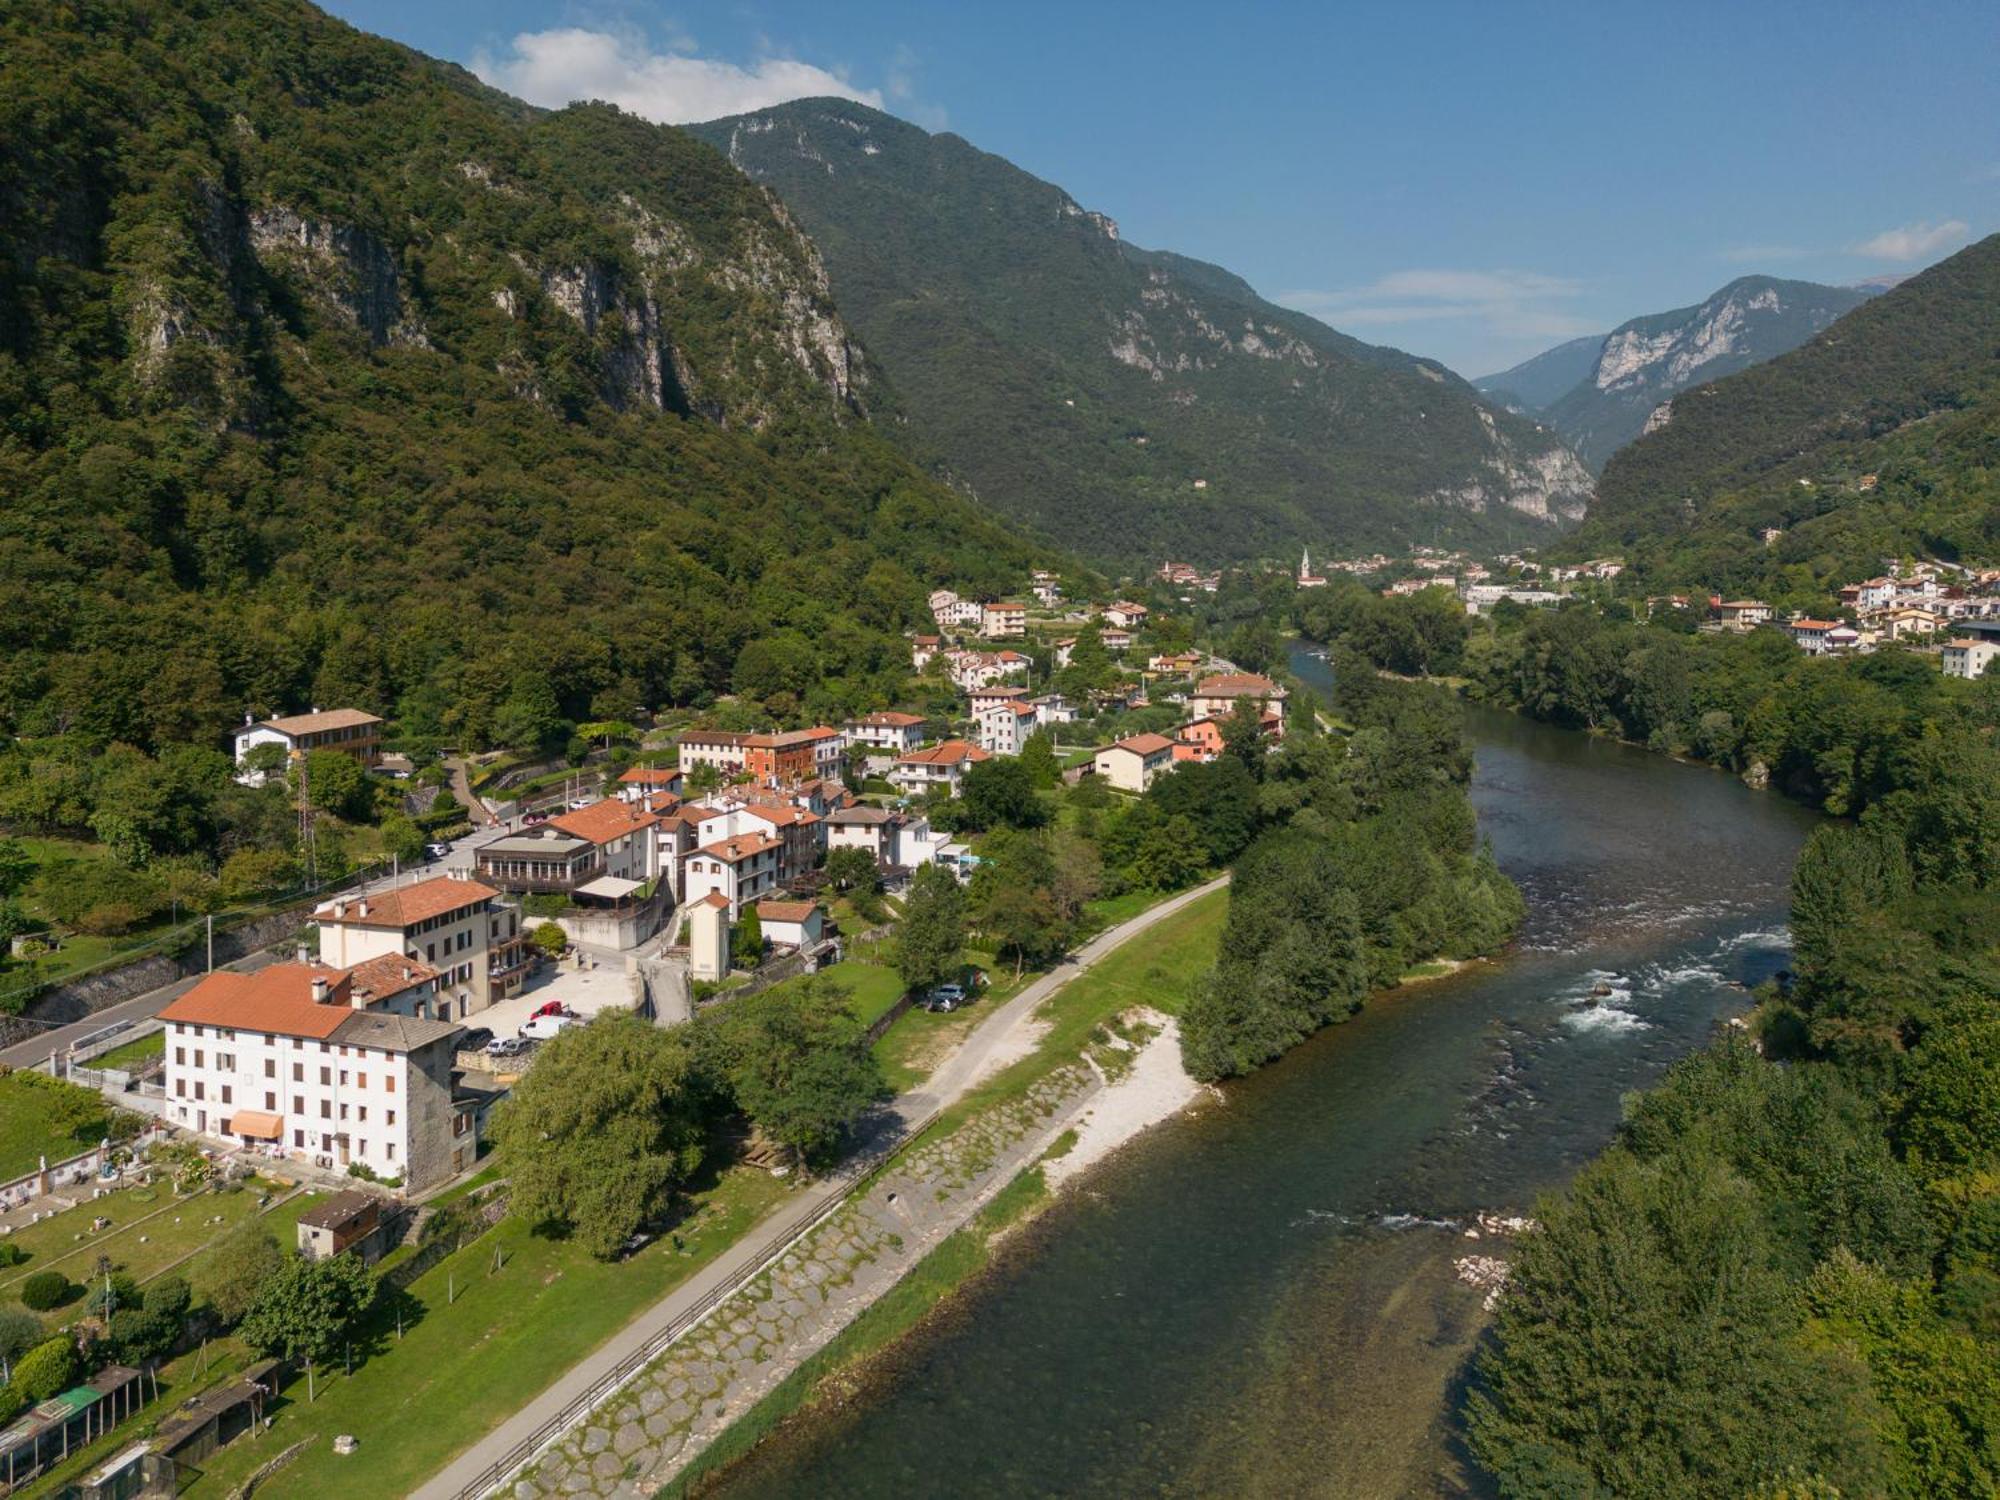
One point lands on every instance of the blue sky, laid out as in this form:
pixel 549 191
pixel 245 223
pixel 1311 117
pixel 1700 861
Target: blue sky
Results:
pixel 1470 181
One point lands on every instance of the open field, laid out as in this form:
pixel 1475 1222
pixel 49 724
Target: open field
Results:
pixel 32 1122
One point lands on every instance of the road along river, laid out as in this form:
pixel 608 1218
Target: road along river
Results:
pixel 1265 1297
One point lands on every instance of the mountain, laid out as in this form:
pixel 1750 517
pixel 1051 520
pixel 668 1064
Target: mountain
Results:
pixel 1131 403
pixel 1549 376
pixel 1876 437
pixel 1640 365
pixel 329 375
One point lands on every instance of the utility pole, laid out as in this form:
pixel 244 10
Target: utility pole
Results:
pixel 211 942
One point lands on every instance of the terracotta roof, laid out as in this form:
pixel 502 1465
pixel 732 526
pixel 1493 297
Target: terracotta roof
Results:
pixel 650 775
pixel 890 720
pixel 711 737
pixel 378 978
pixel 406 906
pixel 950 753
pixel 862 817
pixel 276 1000
pixel 713 898
pixel 1144 744
pixel 786 911
pixel 1003 604
pixel 743 846
pixel 319 723
pixel 1000 692
pixel 1743 604
pixel 338 1209
pixel 601 822
pixel 1814 624
pixel 1237 685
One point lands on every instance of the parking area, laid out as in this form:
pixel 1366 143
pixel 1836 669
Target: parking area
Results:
pixel 584 990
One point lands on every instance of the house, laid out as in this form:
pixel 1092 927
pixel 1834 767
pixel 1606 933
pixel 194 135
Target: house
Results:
pixel 772 759
pixel 1063 649
pixel 460 928
pixel 1004 621
pixel 740 869
pixel 796 832
pixel 347 730
pixel 1175 664
pixel 975 669
pixel 1004 728
pixel 922 649
pixel 792 924
pixel 1116 639
pixel 643 783
pixel 351 1220
pixel 954 613
pixel 718 750
pixel 708 937
pixel 1048 591
pixel 876 829
pixel 1907 620
pixel 982 699
pixel 1125 614
pixel 1131 764
pixel 1053 708
pixel 601 857
pixel 1202 739
pixel 936 766
pixel 623 834
pixel 282 1060
pixel 1811 635
pixel 1969 656
pixel 1216 697
pixel 1742 614
pixel 895 732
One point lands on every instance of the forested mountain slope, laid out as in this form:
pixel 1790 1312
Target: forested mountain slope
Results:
pixel 1535 383
pixel 330 375
pixel 1642 364
pixel 1877 437
pixel 1131 403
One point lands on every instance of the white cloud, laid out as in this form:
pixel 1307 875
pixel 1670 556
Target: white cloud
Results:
pixel 1914 241
pixel 674 87
pixel 1499 303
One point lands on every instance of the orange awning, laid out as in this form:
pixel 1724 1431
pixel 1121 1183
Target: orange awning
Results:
pixel 255 1124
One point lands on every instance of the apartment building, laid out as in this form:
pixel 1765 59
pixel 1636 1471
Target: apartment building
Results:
pixel 460 928
pixel 289 1060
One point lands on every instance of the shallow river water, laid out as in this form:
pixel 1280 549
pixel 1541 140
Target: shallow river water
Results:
pixel 1260 1298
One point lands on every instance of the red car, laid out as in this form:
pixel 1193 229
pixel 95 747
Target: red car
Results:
pixel 552 1008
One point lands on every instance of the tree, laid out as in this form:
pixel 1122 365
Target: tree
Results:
pixel 17 867
pixel 139 1334
pixel 402 838
pixel 237 1268
pixel 603 1130
pixel 1076 874
pixel 1038 757
pixel 1169 856
pixel 851 868
pixel 305 1310
pixel 339 785
pixel 46 1289
pixel 931 938
pixel 1243 735
pixel 747 944
pixel 266 759
pixel 249 873
pixel 20 1331
pixel 47 1368
pixel 1022 921
pixel 797 1061
pixel 550 938
pixel 1000 793
pixel 531 718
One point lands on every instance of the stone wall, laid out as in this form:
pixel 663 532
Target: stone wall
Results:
pixel 650 1430
pixel 81 998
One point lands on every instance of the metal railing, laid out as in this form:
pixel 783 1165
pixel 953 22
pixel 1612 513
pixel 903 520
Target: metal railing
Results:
pixel 869 1162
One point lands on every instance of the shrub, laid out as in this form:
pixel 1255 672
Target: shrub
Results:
pixel 551 939
pixel 47 1368
pixel 140 1334
pixel 11 1254
pixel 46 1289
pixel 169 1296
pixel 108 1294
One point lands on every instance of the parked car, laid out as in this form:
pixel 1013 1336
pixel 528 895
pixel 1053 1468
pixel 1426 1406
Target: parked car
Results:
pixel 473 1040
pixel 553 1008
pixel 437 851
pixel 533 817
pixel 946 997
pixel 541 1028
pixel 507 1046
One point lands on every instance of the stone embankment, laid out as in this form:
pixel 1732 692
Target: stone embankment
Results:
pixel 653 1427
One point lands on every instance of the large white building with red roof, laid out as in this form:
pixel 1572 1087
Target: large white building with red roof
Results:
pixel 942 765
pixel 300 1060
pixel 461 929
pixel 1216 697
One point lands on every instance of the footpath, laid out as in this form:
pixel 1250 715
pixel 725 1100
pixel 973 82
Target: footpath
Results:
pixel 643 1405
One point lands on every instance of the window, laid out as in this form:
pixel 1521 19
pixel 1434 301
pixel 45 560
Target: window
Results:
pixel 228 1094
pixel 180 1088
pixel 197 1057
pixel 226 1061
pixel 392 1117
pixel 325 1077
pixel 270 1101
pixel 180 1057
pixel 326 1109
pixel 270 1067
pixel 298 1104
pixel 461 1122
pixel 361 1112
pixel 299 1139
pixel 389 1082
pixel 298 1072
pixel 343 1078
pixel 392 1151
pixel 198 1090
pixel 343 1110
pixel 361 1080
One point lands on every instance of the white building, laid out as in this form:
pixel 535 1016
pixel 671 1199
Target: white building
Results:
pixel 895 732
pixel 1131 764
pixel 1126 614
pixel 347 730
pixel 1967 656
pixel 740 869
pixel 937 766
pixel 1004 621
pixel 289 1059
pixel 460 928
pixel 1004 727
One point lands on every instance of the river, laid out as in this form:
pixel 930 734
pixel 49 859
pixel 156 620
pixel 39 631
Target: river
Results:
pixel 1260 1298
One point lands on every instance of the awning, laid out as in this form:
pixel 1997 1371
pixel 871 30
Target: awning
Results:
pixel 609 887
pixel 256 1125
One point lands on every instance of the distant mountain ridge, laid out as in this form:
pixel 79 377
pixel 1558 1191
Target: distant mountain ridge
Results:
pixel 1642 364
pixel 1875 438
pixel 1130 402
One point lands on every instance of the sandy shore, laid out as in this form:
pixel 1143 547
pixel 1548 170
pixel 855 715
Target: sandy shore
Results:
pixel 1153 1089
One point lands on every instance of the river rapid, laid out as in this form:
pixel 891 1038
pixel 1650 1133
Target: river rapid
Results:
pixel 1261 1298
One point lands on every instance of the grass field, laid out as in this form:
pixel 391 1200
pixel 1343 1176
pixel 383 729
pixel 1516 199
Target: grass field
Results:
pixel 30 1107
pixel 130 1056
pixel 875 986
pixel 150 1231
pixel 461 1366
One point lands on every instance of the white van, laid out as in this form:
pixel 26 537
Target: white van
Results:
pixel 541 1028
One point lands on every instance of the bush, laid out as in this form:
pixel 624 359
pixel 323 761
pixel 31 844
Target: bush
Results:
pixel 551 939
pixel 47 1368
pixel 109 1294
pixel 140 1334
pixel 170 1297
pixel 11 1254
pixel 47 1289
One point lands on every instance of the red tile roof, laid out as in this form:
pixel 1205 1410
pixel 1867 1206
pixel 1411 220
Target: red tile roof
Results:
pixel 743 846
pixel 650 775
pixel 890 720
pixel 1237 685
pixel 406 906
pixel 950 753
pixel 319 723
pixel 379 978
pixel 275 1000
pixel 601 822
pixel 785 911
pixel 1145 744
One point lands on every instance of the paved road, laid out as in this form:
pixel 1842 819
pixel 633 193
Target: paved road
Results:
pixel 769 1237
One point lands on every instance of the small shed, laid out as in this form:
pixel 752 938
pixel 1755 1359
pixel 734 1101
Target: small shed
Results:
pixel 350 1220
pixel 792 924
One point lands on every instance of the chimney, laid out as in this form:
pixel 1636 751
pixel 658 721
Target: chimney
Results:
pixel 340 908
pixel 319 989
pixel 248 717
pixel 364 906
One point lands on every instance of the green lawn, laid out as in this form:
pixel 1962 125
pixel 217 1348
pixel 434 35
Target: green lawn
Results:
pixel 463 1366
pixel 29 1129
pixel 875 986
pixel 920 1040
pixel 150 1231
pixel 132 1055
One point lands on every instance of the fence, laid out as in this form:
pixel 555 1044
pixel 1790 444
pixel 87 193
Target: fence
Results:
pixel 608 1385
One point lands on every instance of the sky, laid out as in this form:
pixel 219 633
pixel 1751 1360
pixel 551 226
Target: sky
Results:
pixel 1475 182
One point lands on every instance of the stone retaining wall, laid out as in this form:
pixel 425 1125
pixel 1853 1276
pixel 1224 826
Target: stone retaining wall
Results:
pixel 80 998
pixel 646 1434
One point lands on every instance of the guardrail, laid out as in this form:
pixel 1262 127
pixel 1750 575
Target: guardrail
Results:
pixel 610 1383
